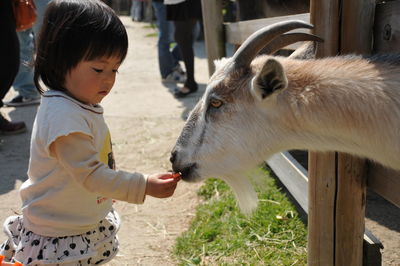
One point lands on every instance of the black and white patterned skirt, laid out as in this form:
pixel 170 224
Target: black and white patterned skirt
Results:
pixel 97 246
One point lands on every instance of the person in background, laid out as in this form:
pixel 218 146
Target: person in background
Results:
pixel 23 83
pixel 185 14
pixel 9 63
pixel 67 202
pixel 168 60
pixel 137 10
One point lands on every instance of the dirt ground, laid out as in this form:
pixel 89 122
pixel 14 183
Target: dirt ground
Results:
pixel 145 120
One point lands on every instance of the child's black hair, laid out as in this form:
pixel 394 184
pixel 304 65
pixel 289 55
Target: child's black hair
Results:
pixel 72 31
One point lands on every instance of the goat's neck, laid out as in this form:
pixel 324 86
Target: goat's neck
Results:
pixel 337 104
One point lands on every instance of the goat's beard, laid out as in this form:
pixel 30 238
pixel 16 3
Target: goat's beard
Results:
pixel 235 171
pixel 243 190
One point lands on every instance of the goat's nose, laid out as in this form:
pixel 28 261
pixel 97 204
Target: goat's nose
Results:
pixel 173 157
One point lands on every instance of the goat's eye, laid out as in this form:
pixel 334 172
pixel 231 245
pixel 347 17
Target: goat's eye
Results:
pixel 216 103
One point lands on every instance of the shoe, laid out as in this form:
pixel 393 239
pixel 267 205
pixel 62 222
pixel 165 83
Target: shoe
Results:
pixel 22 101
pixel 11 128
pixel 175 77
pixel 178 93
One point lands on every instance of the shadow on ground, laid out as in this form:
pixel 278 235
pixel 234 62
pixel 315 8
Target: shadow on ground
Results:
pixel 17 147
pixel 383 212
pixel 189 101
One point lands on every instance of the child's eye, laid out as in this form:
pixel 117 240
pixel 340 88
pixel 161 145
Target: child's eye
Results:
pixel 97 70
pixel 115 71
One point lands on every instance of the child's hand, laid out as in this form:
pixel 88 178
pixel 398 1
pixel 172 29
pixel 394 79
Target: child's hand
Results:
pixel 162 185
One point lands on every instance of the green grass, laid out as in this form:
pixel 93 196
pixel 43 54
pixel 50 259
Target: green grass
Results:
pixel 221 235
pixel 151 26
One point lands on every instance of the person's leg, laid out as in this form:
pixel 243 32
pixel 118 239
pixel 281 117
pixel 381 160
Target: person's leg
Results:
pixel 132 12
pixel 176 54
pixel 184 38
pixel 136 10
pixel 170 69
pixel 166 59
pixel 9 48
pixel 9 63
pixel 40 9
pixel 23 82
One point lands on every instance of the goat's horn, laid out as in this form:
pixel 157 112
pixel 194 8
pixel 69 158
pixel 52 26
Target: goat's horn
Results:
pixel 259 39
pixel 288 39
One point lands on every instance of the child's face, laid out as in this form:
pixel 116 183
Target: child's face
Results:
pixel 90 81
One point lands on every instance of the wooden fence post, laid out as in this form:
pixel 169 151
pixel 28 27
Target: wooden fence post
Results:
pixel 336 236
pixel 324 15
pixel 213 31
pixel 350 211
pixel 321 205
pixel 356 37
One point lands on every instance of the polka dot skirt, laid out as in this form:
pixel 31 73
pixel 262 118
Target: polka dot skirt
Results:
pixel 94 247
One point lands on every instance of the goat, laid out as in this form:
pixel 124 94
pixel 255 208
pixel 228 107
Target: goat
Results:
pixel 255 107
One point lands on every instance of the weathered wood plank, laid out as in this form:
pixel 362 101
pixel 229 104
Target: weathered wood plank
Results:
pixel 292 175
pixel 350 210
pixel 387 27
pixel 385 182
pixel 324 15
pixel 238 32
pixel 213 31
pixel 357 18
pixel 321 207
pixel 357 26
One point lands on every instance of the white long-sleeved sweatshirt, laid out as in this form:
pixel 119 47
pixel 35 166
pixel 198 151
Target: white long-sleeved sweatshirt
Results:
pixel 72 179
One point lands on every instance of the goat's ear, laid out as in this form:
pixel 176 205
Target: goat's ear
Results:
pixel 271 78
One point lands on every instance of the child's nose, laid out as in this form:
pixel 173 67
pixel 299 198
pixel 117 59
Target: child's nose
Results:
pixel 110 78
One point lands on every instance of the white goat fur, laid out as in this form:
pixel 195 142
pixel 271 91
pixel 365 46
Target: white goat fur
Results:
pixel 347 104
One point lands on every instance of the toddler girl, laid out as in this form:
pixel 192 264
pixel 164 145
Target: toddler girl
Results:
pixel 67 215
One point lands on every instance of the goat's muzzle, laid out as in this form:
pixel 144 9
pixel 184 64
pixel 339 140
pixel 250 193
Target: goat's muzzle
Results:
pixel 188 171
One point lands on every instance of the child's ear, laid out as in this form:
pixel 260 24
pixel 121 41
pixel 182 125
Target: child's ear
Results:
pixel 271 78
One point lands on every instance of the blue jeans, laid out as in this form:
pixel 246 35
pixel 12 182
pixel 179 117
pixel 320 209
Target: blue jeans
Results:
pixel 23 82
pixel 40 9
pixel 137 10
pixel 167 59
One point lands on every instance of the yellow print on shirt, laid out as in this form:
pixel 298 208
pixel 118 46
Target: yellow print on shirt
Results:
pixel 106 154
pixel 106 157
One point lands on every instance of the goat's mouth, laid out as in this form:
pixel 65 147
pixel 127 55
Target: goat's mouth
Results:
pixel 188 173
